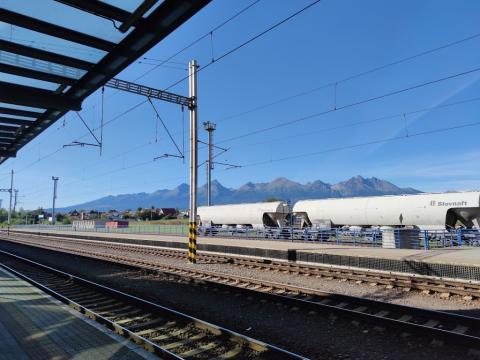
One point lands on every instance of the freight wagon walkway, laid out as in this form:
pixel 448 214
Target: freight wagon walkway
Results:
pixel 34 326
pixel 455 262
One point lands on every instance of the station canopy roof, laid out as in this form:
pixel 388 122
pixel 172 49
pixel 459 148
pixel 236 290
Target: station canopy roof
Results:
pixel 55 53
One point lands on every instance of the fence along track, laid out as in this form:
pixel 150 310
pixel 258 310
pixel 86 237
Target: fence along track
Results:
pixel 449 326
pixel 468 289
pixel 165 332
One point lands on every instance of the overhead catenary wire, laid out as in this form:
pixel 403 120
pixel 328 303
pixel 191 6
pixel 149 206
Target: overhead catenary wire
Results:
pixel 169 60
pixel 231 51
pixel 350 105
pixel 165 61
pixel 357 123
pixel 387 117
pixel 101 163
pixel 248 41
pixel 102 121
pixel 165 66
pixel 310 154
pixel 378 68
pixel 336 82
pixel 196 41
pixel 392 93
pixel 123 113
pixel 373 142
pixel 109 122
pixel 165 127
pixel 429 51
pixel 351 77
pixel 306 92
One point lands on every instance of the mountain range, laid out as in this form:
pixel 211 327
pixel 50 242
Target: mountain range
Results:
pixel 281 188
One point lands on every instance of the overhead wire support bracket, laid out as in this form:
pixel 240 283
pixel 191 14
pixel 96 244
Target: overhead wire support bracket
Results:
pixel 82 144
pixel 222 151
pixel 181 155
pixel 168 155
pixel 229 166
pixel 150 92
pixel 215 146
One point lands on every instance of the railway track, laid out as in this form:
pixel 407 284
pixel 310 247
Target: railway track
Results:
pixel 165 332
pixel 467 289
pixel 435 324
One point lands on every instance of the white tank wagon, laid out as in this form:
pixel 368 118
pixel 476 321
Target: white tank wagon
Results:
pixel 425 211
pixel 255 215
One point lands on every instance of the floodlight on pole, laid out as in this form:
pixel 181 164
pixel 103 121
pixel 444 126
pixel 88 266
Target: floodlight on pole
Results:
pixel 210 128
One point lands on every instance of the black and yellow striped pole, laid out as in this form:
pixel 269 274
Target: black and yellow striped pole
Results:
pixel 192 243
pixel 192 226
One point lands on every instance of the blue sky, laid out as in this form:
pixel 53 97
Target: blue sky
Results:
pixel 327 43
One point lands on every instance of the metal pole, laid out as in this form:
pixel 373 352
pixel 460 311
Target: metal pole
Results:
pixel 209 170
pixel 15 200
pixel 11 194
pixel 210 127
pixel 55 179
pixel 192 235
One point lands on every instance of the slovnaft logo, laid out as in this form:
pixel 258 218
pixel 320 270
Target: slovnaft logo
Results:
pixel 453 203
pixel 445 203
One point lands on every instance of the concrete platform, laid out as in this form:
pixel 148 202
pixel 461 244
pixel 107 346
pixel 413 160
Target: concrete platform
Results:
pixel 35 326
pixel 457 262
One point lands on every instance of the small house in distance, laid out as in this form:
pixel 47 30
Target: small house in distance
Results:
pixel 113 215
pixel 90 215
pixel 74 215
pixel 116 224
pixel 167 213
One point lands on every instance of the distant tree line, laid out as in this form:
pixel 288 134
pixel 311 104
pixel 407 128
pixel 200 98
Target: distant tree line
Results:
pixel 40 216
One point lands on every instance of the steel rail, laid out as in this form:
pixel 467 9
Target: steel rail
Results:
pixel 141 320
pixel 427 284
